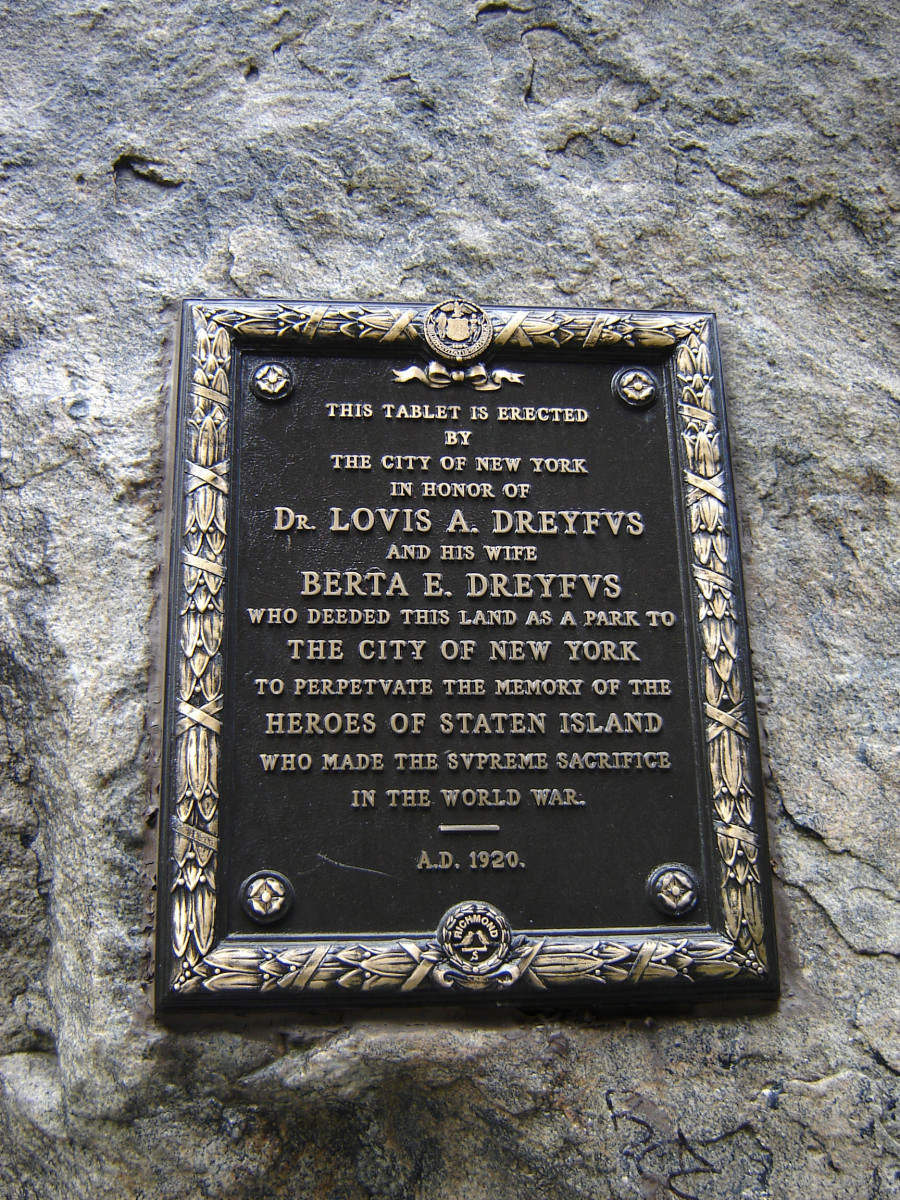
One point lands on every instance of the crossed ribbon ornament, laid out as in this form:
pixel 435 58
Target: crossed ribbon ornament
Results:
pixel 436 375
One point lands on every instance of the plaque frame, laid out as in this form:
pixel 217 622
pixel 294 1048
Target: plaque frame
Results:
pixel 733 958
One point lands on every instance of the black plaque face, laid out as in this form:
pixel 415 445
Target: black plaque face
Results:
pixel 458 699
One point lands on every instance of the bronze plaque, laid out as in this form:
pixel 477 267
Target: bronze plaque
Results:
pixel 458 696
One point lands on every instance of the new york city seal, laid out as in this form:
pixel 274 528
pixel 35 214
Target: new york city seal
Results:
pixel 458 330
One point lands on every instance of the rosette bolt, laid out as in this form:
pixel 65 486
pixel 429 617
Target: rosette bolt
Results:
pixel 272 381
pixel 673 890
pixel 266 896
pixel 635 386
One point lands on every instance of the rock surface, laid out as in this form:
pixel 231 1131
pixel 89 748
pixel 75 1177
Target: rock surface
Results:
pixel 735 157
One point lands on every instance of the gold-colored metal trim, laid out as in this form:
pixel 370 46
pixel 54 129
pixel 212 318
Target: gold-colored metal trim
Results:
pixel 237 968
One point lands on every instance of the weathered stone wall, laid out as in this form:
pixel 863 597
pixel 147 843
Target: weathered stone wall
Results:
pixel 733 156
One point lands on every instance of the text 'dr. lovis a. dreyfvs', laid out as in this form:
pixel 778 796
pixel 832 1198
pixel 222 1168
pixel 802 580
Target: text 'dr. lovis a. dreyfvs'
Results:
pixel 458 696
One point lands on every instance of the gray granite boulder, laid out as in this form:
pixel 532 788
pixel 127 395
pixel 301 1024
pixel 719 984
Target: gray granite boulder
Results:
pixel 734 157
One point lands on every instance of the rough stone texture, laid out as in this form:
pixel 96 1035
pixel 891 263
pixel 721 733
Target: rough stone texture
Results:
pixel 733 156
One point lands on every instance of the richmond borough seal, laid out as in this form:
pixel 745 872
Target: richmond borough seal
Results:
pixel 475 937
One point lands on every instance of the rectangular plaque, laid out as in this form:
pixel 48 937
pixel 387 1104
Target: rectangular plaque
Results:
pixel 458 696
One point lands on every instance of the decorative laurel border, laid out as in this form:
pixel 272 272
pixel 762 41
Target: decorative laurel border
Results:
pixel 239 968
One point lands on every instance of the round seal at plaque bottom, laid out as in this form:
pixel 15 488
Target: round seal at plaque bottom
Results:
pixel 475 936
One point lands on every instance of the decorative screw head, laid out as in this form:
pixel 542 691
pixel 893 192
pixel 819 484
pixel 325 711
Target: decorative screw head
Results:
pixel 635 386
pixel 266 896
pixel 673 889
pixel 272 381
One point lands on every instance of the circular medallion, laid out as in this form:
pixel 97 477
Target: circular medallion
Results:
pixel 635 386
pixel 673 889
pixel 266 896
pixel 458 330
pixel 272 381
pixel 474 936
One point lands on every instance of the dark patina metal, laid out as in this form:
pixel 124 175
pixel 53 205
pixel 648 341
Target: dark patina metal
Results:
pixel 458 691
